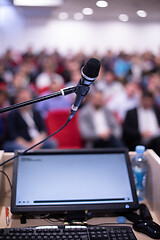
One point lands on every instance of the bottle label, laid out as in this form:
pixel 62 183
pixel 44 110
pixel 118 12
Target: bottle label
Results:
pixel 140 179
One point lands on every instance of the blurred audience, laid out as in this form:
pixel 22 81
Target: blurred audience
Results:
pixel 25 127
pixel 122 79
pixel 97 124
pixel 142 124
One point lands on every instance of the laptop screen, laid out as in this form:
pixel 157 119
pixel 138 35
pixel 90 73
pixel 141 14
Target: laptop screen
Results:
pixel 70 180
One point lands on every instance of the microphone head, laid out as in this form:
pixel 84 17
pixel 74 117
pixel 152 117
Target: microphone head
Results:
pixel 91 68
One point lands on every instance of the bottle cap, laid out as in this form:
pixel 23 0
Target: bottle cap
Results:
pixel 140 149
pixel 121 219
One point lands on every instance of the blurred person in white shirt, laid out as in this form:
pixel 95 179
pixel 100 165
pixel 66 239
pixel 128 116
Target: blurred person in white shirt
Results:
pixel 44 79
pixel 109 85
pixel 97 124
pixel 125 100
pixel 53 104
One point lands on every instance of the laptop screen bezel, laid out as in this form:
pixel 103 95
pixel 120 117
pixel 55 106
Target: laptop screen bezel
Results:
pixel 108 207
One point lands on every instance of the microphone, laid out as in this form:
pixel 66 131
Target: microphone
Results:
pixel 89 73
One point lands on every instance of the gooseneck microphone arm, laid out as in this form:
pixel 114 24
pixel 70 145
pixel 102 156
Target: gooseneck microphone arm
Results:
pixel 64 91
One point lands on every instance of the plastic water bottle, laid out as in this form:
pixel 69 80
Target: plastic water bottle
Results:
pixel 139 168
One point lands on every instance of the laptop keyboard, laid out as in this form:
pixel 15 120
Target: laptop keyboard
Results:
pixel 68 233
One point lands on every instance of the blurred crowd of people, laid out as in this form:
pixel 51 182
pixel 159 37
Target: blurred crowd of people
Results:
pixel 121 109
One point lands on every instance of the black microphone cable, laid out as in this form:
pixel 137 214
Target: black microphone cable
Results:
pixel 25 151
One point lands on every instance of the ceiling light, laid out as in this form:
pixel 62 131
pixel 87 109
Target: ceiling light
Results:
pixel 78 16
pixel 141 13
pixel 102 4
pixel 123 17
pixel 87 11
pixel 63 15
pixel 40 3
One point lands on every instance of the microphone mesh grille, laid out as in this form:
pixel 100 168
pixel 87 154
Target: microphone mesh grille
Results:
pixel 91 68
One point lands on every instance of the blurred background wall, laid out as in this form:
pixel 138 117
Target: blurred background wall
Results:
pixel 22 27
